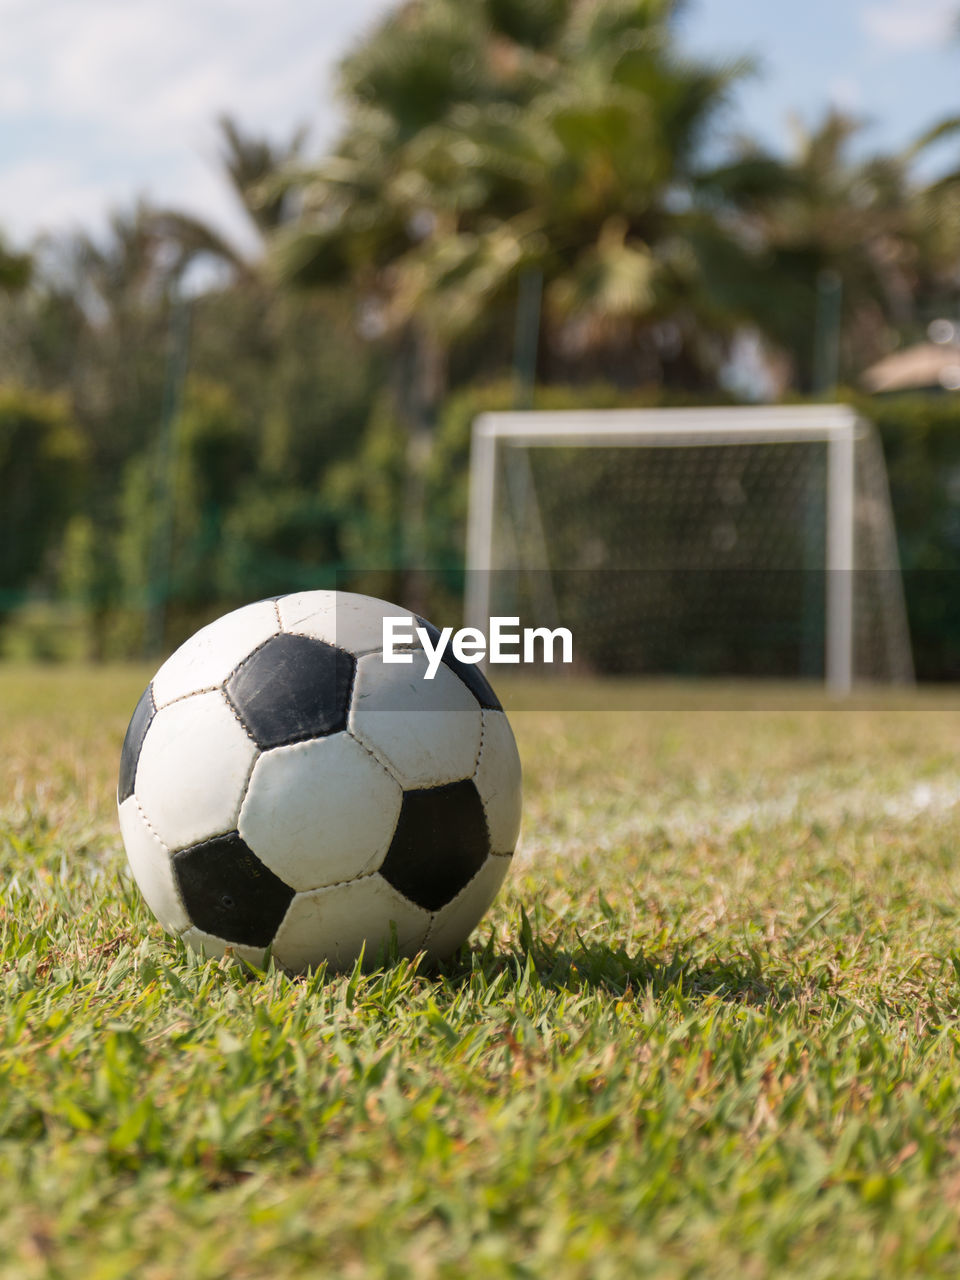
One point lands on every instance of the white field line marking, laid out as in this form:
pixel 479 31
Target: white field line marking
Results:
pixel 602 827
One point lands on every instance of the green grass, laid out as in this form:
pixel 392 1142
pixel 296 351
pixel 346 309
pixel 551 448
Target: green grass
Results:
pixel 710 1027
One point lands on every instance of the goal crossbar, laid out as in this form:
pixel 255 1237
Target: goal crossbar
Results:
pixel 677 427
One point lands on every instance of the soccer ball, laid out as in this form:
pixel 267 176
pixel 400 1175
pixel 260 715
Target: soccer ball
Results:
pixel 283 787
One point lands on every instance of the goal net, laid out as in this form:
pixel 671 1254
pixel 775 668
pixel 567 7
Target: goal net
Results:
pixel 721 542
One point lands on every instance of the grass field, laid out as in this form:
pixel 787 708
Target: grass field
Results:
pixel 709 1029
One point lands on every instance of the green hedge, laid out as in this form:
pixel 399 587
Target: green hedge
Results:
pixel 274 536
pixel 41 478
pixel 921 445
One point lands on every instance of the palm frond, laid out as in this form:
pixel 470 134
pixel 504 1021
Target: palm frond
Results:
pixel 616 277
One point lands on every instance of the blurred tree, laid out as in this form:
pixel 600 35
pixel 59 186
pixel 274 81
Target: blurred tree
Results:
pixel 490 143
pixel 292 376
pixel 302 379
pixel 367 492
pixel 15 269
pixel 489 140
pixel 821 215
pixel 550 150
pixel 101 309
pixel 212 461
pixel 938 206
pixel 41 458
pixel 253 165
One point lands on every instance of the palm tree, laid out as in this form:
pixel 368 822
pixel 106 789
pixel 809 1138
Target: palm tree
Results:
pixel 253 166
pixel 104 302
pixel 821 214
pixel 490 140
pixel 938 210
pixel 488 143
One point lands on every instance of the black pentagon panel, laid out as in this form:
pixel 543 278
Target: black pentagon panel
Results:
pixel 292 688
pixel 229 892
pixel 439 845
pixel 471 675
pixel 143 713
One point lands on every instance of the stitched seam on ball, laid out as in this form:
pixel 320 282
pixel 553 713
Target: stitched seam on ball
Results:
pixel 436 914
pixel 336 884
pixel 476 785
pixel 291 628
pixel 305 735
pixel 238 717
pixel 230 947
pixel 193 693
pixel 199 844
pixel 374 755
pixel 385 764
pixel 476 763
pixel 169 852
pixel 246 658
pixel 353 684
pixel 494 853
pixel 246 788
pixel 150 827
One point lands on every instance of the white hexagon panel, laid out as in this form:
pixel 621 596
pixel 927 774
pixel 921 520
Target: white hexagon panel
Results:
pixel 333 924
pixel 193 769
pixel 427 731
pixel 320 812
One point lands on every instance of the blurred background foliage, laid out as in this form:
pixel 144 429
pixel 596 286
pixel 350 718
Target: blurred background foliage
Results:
pixel 531 201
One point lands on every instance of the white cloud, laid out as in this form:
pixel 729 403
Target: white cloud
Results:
pixel 38 195
pixel 106 100
pixel 846 93
pixel 909 24
pixel 38 184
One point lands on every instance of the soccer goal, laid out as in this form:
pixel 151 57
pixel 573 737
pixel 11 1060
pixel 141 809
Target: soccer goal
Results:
pixel 727 541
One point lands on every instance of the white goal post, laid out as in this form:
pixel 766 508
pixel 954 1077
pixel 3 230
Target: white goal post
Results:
pixel 850 451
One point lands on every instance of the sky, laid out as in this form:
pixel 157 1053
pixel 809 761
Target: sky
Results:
pixel 105 101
